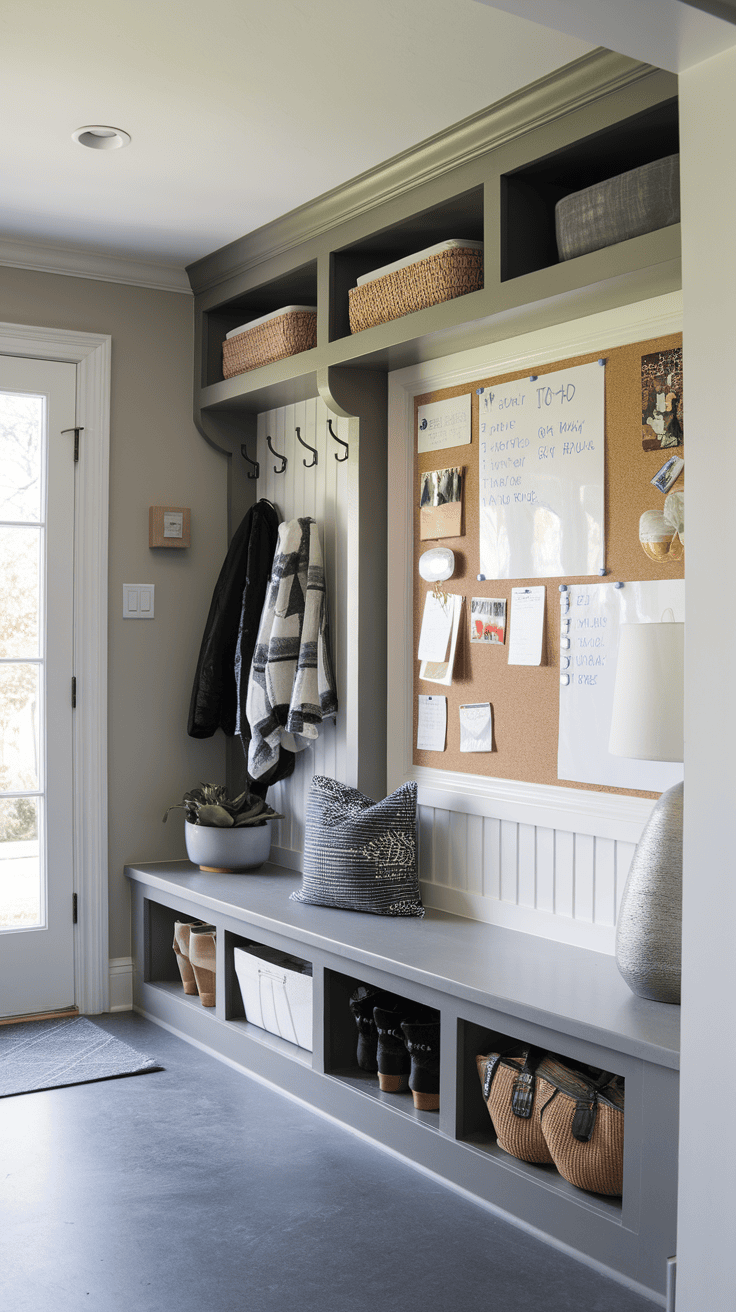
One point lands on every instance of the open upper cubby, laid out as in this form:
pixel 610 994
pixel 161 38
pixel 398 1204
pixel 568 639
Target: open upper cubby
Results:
pixel 529 194
pixel 297 287
pixel 461 216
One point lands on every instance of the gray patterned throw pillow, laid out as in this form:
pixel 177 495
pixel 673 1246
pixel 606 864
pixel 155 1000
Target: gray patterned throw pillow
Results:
pixel 361 855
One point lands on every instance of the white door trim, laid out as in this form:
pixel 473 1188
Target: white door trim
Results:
pixel 91 353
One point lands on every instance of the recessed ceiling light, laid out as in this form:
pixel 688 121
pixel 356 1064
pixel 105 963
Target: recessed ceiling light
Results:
pixel 101 138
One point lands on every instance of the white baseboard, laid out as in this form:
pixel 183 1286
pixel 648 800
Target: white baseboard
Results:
pixel 121 984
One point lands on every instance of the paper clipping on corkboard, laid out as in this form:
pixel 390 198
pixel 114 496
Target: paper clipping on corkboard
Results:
pixel 442 424
pixel 488 620
pixel 476 727
pixel 662 417
pixel 431 724
pixel 441 503
pixel 441 671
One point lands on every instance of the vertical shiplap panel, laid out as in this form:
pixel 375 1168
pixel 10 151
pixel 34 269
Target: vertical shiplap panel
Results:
pixel 339 601
pixel 584 877
pixel 474 859
pixel 441 847
pixel 545 869
pixel 509 861
pixel 457 872
pixel 564 872
pixel 527 865
pixel 624 857
pixel 604 907
pixel 491 857
pixel 426 843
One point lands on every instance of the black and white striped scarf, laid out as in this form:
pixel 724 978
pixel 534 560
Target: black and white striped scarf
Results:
pixel 291 688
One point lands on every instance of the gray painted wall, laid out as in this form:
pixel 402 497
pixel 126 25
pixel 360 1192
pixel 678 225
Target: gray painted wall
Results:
pixel 157 457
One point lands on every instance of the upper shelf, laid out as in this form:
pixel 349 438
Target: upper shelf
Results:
pixel 496 178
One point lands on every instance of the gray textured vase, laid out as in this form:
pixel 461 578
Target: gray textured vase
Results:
pixel 649 926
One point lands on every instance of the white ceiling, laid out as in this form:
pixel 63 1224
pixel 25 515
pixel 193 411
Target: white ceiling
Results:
pixel 238 110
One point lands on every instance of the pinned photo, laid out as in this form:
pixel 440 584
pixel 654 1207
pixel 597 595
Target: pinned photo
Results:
pixel 441 503
pixel 668 474
pixel 488 619
pixel 661 399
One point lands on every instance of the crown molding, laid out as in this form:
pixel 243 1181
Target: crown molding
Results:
pixel 572 87
pixel 75 263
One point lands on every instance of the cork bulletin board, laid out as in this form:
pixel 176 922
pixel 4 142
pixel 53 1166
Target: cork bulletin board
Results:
pixel 525 699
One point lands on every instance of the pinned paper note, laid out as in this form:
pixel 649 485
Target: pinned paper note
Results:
pixel 432 724
pixel 476 727
pixel 443 424
pixel 436 628
pixel 527 626
pixel 488 619
pixel 441 671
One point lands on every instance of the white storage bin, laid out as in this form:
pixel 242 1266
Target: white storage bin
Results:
pixel 277 994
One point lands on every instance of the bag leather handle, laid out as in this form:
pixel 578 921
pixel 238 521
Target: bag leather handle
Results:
pixel 522 1094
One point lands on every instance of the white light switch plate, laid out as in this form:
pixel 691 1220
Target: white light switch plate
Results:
pixel 138 601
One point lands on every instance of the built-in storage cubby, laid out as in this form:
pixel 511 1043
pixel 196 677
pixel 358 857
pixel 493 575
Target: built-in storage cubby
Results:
pixel 461 216
pixel 530 193
pixel 475 1127
pixel 297 287
pixel 340 1050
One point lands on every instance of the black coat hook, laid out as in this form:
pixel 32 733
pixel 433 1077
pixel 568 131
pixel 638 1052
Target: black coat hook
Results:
pixel 254 463
pixel 338 458
pixel 313 449
pixel 278 457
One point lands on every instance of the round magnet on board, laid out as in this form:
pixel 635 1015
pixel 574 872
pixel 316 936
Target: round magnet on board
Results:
pixel 564 643
pixel 481 578
pixel 618 585
pixel 564 662
pixel 563 587
pixel 564 679
pixel 437 564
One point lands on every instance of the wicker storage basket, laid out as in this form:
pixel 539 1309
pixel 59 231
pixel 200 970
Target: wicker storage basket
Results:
pixel 633 203
pixel 427 280
pixel 278 335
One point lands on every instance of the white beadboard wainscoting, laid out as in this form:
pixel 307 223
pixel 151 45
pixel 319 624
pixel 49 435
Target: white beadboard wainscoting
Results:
pixel 322 492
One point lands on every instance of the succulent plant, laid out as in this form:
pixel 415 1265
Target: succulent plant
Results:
pixel 210 805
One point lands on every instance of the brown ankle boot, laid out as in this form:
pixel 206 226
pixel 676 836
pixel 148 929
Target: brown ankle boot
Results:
pixel 181 947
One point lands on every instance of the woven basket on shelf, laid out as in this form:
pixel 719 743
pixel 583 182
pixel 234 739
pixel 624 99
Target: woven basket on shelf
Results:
pixel 275 340
pixel 437 278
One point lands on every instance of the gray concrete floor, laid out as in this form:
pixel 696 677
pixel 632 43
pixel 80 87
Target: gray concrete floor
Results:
pixel 196 1189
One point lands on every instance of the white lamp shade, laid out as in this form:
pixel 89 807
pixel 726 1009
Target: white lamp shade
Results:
pixel 647 719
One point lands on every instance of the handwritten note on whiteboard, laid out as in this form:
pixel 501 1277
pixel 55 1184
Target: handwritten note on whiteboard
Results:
pixel 541 459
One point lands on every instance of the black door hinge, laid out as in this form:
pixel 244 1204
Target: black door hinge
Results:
pixel 76 432
pixel 74 692
pixel 74 908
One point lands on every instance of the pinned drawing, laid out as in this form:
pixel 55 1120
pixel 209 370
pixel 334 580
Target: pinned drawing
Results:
pixel 488 619
pixel 661 399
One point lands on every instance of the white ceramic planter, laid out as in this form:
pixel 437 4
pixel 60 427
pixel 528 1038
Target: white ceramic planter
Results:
pixel 227 851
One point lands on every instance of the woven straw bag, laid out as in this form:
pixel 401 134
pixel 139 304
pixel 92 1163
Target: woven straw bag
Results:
pixel 514 1094
pixel 583 1126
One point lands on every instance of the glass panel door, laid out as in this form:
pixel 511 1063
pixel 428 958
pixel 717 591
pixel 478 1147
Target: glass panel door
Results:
pixel 36 665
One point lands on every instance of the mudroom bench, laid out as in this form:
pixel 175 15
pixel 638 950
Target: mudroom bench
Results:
pixel 491 986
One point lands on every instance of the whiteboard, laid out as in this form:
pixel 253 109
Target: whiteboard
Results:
pixel 541 463
pixel 586 703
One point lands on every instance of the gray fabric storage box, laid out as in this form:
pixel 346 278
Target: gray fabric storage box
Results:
pixel 639 201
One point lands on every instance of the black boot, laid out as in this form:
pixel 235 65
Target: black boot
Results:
pixel 362 1002
pixel 393 1059
pixel 423 1045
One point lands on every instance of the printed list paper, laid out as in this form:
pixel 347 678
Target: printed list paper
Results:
pixel 442 424
pixel 436 628
pixel 527 626
pixel 432 724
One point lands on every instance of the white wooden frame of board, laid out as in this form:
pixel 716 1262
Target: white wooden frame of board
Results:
pixel 90 352
pixel 606 815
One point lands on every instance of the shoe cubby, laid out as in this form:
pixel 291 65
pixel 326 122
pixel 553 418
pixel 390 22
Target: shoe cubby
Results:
pixel 459 216
pixel 297 287
pixel 266 996
pixel 475 1127
pixel 160 964
pixel 341 1042
pixel 529 193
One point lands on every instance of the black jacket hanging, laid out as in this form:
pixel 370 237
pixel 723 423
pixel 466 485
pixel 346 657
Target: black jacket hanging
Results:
pixel 235 610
